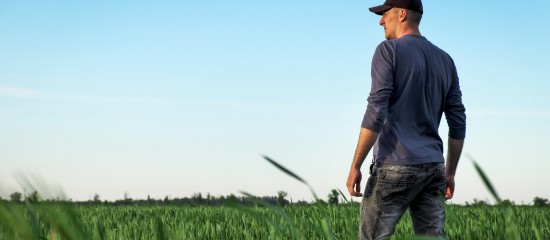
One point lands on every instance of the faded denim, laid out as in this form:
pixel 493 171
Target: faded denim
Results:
pixel 392 189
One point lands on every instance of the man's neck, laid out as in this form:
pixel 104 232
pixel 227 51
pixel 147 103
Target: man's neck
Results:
pixel 408 30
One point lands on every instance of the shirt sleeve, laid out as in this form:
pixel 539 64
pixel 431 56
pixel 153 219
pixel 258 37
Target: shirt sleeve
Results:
pixel 382 74
pixel 455 110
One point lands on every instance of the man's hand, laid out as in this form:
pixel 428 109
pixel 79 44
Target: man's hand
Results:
pixel 453 155
pixel 354 182
pixel 449 191
pixel 367 138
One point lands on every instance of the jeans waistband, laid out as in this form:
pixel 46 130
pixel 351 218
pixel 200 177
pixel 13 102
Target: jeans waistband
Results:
pixel 418 166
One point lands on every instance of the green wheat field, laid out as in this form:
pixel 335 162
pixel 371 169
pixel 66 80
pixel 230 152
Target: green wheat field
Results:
pixel 251 217
pixel 315 221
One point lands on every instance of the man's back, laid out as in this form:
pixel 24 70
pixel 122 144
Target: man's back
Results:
pixel 414 82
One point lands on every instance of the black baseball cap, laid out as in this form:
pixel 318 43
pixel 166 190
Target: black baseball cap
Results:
pixel 414 5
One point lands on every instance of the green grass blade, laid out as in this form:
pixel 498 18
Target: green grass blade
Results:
pixel 344 196
pixel 293 228
pixel 285 170
pixel 326 229
pixel 161 232
pixel 100 229
pixel 486 180
pixel 274 226
pixel 13 218
pixel 536 231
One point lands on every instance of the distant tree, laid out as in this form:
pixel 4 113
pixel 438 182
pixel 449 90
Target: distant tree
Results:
pixel 96 198
pixel 197 198
pixel 506 202
pixel 33 197
pixel 16 197
pixel 540 202
pixel 281 198
pixel 333 197
pixel 232 198
pixel 209 199
pixel 479 203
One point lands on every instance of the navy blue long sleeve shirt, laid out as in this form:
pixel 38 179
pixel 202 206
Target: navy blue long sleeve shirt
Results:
pixel 413 83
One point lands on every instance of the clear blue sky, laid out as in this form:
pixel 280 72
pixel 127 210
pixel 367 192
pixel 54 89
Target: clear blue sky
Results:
pixel 180 97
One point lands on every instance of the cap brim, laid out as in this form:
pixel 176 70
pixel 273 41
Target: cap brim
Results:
pixel 380 9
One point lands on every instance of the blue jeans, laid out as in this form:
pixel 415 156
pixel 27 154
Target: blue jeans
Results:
pixel 392 189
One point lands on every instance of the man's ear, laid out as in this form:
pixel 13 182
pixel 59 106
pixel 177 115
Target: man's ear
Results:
pixel 402 15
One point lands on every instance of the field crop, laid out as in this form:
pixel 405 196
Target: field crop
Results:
pixel 257 219
pixel 314 221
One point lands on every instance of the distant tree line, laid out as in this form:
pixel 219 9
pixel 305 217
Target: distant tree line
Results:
pixel 198 199
pixel 537 202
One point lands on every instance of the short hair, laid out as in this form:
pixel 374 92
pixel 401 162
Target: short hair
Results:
pixel 414 17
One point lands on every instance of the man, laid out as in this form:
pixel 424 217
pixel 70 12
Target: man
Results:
pixel 413 84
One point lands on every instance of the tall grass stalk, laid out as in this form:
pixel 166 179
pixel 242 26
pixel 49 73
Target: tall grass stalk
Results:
pixel 511 230
pixel 292 174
